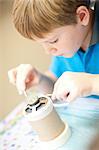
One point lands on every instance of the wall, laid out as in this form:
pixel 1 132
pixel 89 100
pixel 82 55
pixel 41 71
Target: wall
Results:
pixel 14 50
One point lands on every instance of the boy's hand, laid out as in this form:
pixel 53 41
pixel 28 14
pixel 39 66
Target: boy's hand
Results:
pixel 23 77
pixel 72 85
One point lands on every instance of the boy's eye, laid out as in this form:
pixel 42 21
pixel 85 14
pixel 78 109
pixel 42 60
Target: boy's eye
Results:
pixel 55 41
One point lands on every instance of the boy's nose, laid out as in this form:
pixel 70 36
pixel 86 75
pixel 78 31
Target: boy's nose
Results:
pixel 52 51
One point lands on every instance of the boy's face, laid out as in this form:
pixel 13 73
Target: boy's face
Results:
pixel 64 41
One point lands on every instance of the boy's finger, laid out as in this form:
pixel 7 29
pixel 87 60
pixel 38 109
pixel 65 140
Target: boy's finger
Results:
pixel 20 82
pixel 12 76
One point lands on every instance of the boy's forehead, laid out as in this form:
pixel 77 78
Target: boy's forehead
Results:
pixel 48 36
pixel 53 34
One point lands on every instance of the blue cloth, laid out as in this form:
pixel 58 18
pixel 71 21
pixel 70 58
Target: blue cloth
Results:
pixel 81 62
pixel 82 117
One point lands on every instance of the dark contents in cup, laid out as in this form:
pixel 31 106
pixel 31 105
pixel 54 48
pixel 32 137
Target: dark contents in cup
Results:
pixel 36 104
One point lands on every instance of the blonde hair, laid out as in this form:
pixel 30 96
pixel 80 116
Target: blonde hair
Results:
pixel 35 18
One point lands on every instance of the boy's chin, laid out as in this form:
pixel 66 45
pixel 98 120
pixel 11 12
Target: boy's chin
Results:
pixel 68 55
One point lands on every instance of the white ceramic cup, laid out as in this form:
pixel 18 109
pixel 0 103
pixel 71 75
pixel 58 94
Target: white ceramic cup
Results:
pixel 52 131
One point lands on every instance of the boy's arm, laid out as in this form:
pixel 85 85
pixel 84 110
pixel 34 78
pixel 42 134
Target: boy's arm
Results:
pixel 46 82
pixel 72 85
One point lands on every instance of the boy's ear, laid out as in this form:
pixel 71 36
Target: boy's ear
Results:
pixel 83 15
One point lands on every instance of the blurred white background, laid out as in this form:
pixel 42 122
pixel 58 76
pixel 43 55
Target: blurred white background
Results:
pixel 14 50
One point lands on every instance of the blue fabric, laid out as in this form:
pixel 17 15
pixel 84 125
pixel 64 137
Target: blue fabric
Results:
pixel 81 62
pixel 82 117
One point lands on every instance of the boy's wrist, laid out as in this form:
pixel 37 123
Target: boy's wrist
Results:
pixel 39 77
pixel 95 84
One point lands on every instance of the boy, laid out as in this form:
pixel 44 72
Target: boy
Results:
pixel 69 30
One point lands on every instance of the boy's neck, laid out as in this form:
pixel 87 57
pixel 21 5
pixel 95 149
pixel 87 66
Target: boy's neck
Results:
pixel 88 37
pixel 86 42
